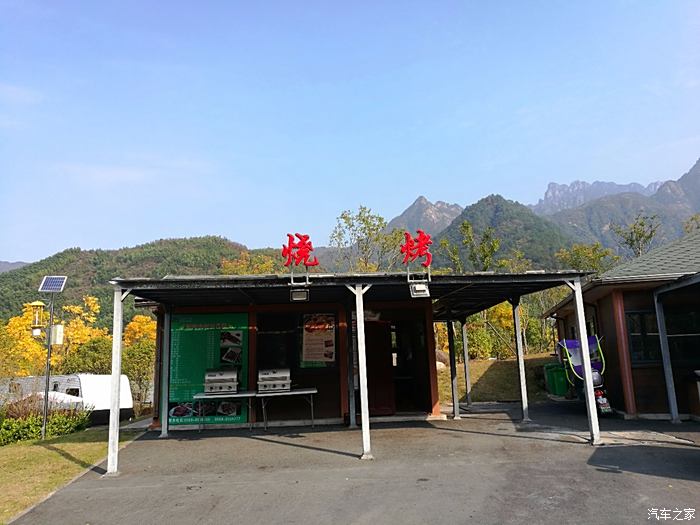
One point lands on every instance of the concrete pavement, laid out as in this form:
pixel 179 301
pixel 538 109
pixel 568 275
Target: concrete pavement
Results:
pixel 486 468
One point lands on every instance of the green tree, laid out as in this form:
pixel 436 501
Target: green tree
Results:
pixel 452 253
pixel 516 263
pixel 638 236
pixel 362 242
pixel 139 362
pixel 91 357
pixel 480 249
pixel 692 224
pixel 588 257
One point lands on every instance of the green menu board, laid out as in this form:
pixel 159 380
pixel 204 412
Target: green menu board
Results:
pixel 201 342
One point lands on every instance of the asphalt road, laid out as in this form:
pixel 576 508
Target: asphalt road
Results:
pixel 483 469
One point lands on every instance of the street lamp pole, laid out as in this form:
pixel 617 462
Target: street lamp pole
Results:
pixel 51 284
pixel 49 329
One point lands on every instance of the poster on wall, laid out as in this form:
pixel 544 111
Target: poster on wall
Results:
pixel 318 343
pixel 200 343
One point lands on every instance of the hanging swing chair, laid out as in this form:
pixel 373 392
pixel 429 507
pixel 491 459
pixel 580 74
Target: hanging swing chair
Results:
pixel 573 359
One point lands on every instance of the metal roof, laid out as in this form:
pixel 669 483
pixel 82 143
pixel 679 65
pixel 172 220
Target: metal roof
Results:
pixel 453 296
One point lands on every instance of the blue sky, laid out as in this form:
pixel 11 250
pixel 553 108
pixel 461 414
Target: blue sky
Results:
pixel 133 121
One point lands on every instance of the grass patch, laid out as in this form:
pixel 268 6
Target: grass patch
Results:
pixel 497 380
pixel 30 470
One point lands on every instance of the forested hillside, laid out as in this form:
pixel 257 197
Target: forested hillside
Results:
pixel 89 271
pixel 515 225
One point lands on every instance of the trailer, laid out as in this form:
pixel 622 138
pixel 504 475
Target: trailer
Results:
pixel 93 390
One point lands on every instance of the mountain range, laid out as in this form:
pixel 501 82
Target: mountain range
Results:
pixel 672 203
pixel 578 212
pixel 560 197
pixel 538 235
pixel 6 266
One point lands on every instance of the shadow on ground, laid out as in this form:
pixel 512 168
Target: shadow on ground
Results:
pixel 667 462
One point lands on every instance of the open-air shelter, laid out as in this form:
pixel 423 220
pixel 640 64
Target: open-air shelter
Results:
pixel 381 326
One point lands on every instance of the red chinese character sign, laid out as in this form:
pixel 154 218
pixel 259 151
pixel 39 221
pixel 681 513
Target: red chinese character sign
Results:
pixel 298 251
pixel 416 247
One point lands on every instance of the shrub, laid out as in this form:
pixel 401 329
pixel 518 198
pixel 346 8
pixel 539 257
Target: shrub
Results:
pixel 59 423
pixel 24 407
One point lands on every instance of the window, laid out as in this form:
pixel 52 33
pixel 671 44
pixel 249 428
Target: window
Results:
pixel 643 336
pixel 683 330
pixel 280 342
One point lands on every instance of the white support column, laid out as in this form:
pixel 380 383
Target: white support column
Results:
pixel 515 303
pixel 666 360
pixel 586 358
pixel 453 368
pixel 467 379
pixel 359 292
pixel 165 375
pixel 113 443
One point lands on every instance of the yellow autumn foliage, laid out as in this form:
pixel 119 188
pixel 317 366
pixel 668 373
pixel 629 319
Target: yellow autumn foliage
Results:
pixel 247 264
pixel 501 316
pixel 140 328
pixel 20 353
pixel 79 326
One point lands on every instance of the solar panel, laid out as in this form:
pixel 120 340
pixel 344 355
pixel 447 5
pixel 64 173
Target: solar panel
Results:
pixel 53 283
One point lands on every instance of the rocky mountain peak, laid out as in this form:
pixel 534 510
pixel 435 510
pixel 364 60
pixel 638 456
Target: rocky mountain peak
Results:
pixel 428 216
pixel 560 197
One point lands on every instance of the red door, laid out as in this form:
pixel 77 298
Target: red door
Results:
pixel 380 370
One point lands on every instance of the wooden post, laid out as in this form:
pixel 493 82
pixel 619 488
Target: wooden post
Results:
pixel 623 353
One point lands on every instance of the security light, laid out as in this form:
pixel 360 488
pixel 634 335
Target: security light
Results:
pixel 419 290
pixel 298 295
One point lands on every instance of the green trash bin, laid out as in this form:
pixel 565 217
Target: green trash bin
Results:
pixel 548 377
pixel 559 384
